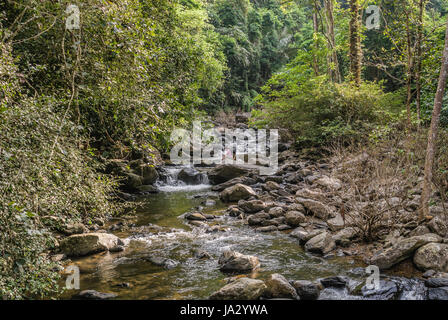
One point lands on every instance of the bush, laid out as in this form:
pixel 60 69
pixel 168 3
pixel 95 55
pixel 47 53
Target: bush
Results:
pixel 324 112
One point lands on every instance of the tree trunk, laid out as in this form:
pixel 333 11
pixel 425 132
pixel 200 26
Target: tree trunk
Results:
pixel 333 68
pixel 409 69
pixel 316 30
pixel 419 59
pixel 433 131
pixel 355 43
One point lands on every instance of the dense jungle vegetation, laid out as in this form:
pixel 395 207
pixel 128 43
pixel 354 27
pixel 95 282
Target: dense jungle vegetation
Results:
pixel 70 100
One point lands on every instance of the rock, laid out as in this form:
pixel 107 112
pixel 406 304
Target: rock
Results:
pixel 236 193
pixel 330 183
pixel 226 172
pixel 148 173
pixel 240 289
pixel 276 212
pixel 271 185
pixel 74 228
pixel 270 228
pixel 322 243
pixel 88 243
pixel 336 223
pixel 279 287
pixel 334 282
pixel 132 181
pixel 258 218
pixel 304 235
pixel 429 274
pixel 235 261
pixel 432 256
pixel 243 180
pixel 438 226
pixel 94 295
pixel 195 216
pixel 436 282
pixel 310 194
pixel 317 208
pixel 294 218
pixel 306 290
pixel 402 250
pixel 251 206
pixel 438 293
pixel 165 263
pixel 419 231
pixel 345 235
pixel 190 176
pixel 387 290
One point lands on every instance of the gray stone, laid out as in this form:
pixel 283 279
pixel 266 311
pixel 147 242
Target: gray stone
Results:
pixel 94 295
pixel 235 261
pixel 402 250
pixel 240 289
pixel 322 243
pixel 89 243
pixel 294 218
pixel 279 287
pixel 432 256
pixel 236 193
pixel 306 290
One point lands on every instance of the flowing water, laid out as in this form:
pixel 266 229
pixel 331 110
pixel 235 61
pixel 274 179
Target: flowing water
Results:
pixel 160 231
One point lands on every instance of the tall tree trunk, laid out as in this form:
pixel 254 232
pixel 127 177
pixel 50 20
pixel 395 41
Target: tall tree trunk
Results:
pixel 355 43
pixel 333 69
pixel 419 59
pixel 316 31
pixel 433 131
pixel 409 69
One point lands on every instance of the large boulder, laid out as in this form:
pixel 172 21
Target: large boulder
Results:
pixel 258 218
pixel 432 256
pixel 306 290
pixel 304 235
pixel 240 289
pixel 88 243
pixel 279 287
pixel 148 173
pixel 131 181
pixel 236 193
pixel 402 250
pixel 322 243
pixel 190 176
pixel 387 290
pixel 317 208
pixel 226 172
pixel 235 261
pixel 294 218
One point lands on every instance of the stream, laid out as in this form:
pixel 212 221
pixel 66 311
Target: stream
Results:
pixel 160 231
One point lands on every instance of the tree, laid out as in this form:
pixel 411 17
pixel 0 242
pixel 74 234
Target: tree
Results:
pixel 333 64
pixel 433 131
pixel 355 43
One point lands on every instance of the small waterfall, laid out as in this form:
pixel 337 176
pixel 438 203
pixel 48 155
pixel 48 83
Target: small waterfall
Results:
pixel 181 178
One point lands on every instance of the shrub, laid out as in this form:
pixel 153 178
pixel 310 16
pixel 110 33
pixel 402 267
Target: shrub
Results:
pixel 323 112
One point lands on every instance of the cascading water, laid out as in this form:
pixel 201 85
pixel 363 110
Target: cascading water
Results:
pixel 190 179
